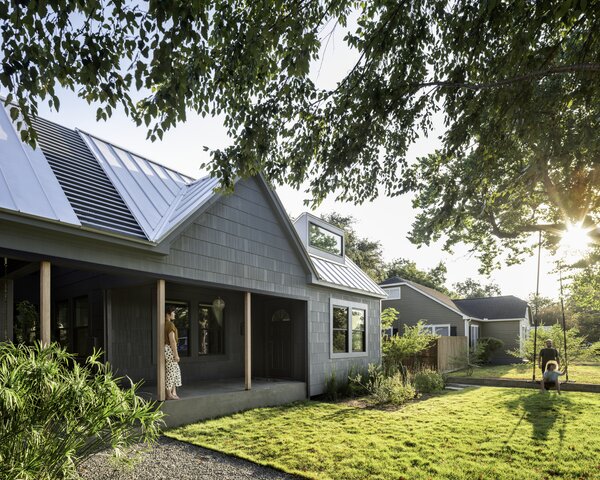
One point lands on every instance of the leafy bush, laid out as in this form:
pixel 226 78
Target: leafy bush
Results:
pixel 54 412
pixel 400 348
pixel 486 346
pixel 576 344
pixel 428 381
pixel 354 389
pixel 385 389
pixel 388 317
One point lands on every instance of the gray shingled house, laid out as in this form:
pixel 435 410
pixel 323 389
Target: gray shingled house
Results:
pixel 507 318
pixel 101 239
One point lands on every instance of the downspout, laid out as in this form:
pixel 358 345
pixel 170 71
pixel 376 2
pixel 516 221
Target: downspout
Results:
pixel 468 335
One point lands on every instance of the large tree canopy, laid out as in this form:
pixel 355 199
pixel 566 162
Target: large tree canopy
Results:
pixel 517 83
pixel 408 270
pixel 471 288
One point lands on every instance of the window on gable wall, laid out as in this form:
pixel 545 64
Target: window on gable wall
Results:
pixel 348 328
pixel 393 293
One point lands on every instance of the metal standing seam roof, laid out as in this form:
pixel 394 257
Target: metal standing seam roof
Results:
pixel 158 197
pixel 348 275
pixel 27 183
pixel 85 184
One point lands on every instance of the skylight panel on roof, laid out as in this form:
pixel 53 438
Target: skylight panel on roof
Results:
pixel 124 157
pixel 107 153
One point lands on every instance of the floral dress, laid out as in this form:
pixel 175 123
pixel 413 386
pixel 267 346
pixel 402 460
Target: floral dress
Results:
pixel 173 373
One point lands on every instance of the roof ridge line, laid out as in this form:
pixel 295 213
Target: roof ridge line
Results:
pixel 172 207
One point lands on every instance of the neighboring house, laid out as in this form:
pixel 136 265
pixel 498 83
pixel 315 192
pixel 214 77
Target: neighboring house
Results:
pixel 507 318
pixel 100 239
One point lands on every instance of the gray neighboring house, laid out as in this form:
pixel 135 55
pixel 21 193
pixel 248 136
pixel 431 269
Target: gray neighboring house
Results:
pixel 507 318
pixel 100 239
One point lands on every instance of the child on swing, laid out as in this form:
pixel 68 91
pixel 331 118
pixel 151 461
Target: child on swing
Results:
pixel 550 377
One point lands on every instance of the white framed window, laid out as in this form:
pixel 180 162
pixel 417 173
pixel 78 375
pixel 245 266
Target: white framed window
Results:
pixel 441 330
pixel 393 293
pixel 348 328
pixel 473 335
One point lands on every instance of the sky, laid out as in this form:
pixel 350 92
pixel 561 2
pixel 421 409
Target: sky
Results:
pixel 387 220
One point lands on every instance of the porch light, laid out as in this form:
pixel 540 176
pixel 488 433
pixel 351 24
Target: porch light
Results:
pixel 218 304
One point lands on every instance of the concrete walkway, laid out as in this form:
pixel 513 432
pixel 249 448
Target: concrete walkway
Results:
pixel 515 383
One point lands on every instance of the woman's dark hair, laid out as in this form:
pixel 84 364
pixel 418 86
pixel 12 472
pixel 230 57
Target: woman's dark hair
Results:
pixel 169 309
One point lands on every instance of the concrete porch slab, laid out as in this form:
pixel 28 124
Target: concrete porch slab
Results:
pixel 216 398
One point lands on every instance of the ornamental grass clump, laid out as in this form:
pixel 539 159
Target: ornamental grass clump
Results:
pixel 54 412
pixel 382 388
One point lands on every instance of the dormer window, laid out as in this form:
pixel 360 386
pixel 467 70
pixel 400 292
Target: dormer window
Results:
pixel 325 240
pixel 321 239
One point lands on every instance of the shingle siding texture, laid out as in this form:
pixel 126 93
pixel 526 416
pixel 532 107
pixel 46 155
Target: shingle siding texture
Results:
pixel 238 242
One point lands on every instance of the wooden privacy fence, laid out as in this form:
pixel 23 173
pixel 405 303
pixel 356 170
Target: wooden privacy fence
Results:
pixel 452 353
pixel 445 355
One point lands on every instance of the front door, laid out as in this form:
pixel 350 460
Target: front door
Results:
pixel 280 353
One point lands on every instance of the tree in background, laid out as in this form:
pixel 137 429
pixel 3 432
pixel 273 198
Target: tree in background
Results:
pixel 473 289
pixel 549 311
pixel 584 301
pixel 576 344
pixel 517 85
pixel 362 251
pixel 408 270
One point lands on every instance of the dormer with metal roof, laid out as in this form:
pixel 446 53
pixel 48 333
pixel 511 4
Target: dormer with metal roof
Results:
pixel 321 238
pixel 326 247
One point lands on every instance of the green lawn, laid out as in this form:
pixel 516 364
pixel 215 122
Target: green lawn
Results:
pixel 577 373
pixel 477 433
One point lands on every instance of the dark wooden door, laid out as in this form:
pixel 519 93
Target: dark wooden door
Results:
pixel 280 355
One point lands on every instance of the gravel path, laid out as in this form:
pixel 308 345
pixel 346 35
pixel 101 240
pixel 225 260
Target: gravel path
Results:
pixel 170 459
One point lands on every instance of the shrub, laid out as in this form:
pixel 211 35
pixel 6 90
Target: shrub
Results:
pixel 428 381
pixel 482 353
pixel 54 413
pixel 400 348
pixel 385 389
pixel 354 389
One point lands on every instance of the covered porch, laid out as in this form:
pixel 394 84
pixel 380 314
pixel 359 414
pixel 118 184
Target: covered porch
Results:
pixel 238 349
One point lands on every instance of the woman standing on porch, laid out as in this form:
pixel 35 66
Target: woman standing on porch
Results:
pixel 173 373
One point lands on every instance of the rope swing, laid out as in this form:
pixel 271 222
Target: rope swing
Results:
pixel 536 323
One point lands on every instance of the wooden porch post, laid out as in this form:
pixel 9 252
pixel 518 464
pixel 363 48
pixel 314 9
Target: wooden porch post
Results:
pixel 248 340
pixel 160 340
pixel 45 303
